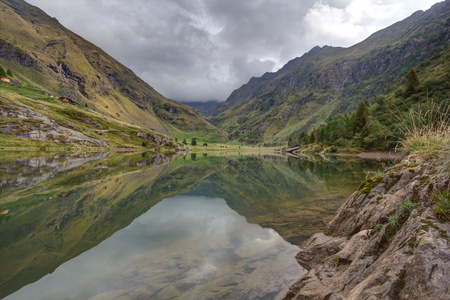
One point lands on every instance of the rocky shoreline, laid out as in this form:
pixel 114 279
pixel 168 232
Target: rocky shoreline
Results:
pixel 386 241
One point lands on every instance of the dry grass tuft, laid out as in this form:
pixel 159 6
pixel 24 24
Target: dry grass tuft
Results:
pixel 428 133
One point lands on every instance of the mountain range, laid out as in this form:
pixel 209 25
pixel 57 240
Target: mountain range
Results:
pixel 330 80
pixel 302 95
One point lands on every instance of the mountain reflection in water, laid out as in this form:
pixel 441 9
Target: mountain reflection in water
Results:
pixel 189 245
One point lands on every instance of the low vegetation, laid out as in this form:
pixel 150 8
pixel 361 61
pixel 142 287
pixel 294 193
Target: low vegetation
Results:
pixel 416 117
pixel 442 204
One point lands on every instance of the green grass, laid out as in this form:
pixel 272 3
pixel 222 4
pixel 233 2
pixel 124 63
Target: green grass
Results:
pixel 408 205
pixel 229 147
pixel 377 227
pixel 393 220
pixel 442 204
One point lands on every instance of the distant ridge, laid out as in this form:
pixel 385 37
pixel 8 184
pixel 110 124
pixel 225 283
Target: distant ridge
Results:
pixel 206 108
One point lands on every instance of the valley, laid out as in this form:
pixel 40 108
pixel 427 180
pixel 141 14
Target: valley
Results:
pixel 111 190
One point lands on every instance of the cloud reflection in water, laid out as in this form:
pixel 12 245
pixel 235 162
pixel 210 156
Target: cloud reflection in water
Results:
pixel 189 247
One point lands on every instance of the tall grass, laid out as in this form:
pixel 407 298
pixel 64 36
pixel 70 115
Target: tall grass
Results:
pixel 427 131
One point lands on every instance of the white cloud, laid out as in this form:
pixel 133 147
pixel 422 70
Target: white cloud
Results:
pixel 204 49
pixel 344 23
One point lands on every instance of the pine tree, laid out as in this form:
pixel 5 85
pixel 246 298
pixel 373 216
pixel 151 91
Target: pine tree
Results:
pixel 306 139
pixel 411 82
pixel 320 134
pixel 312 137
pixel 361 124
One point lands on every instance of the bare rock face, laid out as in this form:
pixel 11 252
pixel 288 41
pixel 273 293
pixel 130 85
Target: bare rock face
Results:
pixel 384 243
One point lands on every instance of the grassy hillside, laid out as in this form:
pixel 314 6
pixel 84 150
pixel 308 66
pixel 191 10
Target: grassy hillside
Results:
pixel 41 53
pixel 32 119
pixel 328 80
pixel 417 107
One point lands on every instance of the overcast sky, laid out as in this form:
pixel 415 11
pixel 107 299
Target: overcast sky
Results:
pixel 197 50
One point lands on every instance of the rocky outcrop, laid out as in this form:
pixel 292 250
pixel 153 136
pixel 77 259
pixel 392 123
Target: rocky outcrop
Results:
pixel 36 126
pixel 386 241
pixel 32 171
pixel 154 139
pixel 10 52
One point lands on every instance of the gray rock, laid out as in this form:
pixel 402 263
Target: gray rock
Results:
pixel 47 129
pixel 358 260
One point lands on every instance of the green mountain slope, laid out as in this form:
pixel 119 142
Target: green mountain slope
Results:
pixel 42 53
pixel 330 80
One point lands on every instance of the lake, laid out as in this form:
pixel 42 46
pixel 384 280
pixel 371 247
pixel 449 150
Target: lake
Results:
pixel 141 226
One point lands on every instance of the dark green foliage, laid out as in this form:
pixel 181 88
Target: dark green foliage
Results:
pixel 2 71
pixel 411 83
pixel 303 139
pixel 9 73
pixel 312 137
pixel 184 142
pixel 361 124
pixel 333 149
pixel 194 142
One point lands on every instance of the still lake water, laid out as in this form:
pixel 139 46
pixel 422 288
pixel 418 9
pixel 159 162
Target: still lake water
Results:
pixel 130 226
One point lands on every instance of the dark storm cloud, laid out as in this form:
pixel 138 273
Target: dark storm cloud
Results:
pixel 204 49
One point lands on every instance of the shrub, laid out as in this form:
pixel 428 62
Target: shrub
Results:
pixel 333 149
pixel 341 142
pixel 316 149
